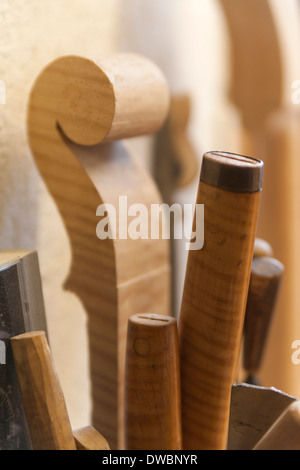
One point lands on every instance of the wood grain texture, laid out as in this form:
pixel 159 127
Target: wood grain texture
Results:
pixel 89 439
pixel 265 282
pixel 76 105
pixel 152 403
pixel 45 409
pixel 285 432
pixel 212 313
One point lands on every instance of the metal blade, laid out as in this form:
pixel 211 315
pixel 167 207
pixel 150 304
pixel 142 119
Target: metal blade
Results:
pixel 21 310
pixel 253 411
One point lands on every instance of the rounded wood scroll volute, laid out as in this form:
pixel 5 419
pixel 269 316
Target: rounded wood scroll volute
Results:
pixel 75 105
pixel 152 390
pixel 214 297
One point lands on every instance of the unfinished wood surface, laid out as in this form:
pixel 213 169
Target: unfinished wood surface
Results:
pixel 285 432
pixel 265 282
pixel 89 439
pixel 152 390
pixel 214 301
pixel 76 105
pixel 45 409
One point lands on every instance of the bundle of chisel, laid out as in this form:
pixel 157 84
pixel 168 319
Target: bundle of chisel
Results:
pixel 230 292
pixel 180 390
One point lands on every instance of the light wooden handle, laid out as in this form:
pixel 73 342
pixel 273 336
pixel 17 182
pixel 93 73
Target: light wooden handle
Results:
pixel 265 281
pixel 89 439
pixel 285 432
pixel 215 294
pixel 152 385
pixel 43 399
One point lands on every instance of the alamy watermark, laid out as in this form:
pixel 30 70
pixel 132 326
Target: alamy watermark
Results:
pixel 136 221
pixel 2 353
pixel 296 353
pixel 2 92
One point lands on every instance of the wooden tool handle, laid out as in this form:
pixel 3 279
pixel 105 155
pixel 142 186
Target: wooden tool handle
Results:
pixel 89 439
pixel 265 281
pixel 152 385
pixel 215 294
pixel 43 400
pixel 285 432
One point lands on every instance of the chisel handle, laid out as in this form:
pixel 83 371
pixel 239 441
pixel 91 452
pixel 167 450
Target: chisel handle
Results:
pixel 215 294
pixel 265 281
pixel 42 396
pixel 89 439
pixel 152 384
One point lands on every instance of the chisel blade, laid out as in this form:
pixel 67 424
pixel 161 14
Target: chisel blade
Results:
pixel 21 310
pixel 253 411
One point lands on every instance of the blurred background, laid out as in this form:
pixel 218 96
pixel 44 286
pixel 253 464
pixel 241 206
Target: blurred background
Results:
pixel 231 67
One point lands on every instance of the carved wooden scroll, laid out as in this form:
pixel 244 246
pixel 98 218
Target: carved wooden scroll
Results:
pixel 78 109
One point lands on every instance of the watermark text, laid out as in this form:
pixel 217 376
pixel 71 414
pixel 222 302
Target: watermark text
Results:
pixel 160 221
pixel 296 353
